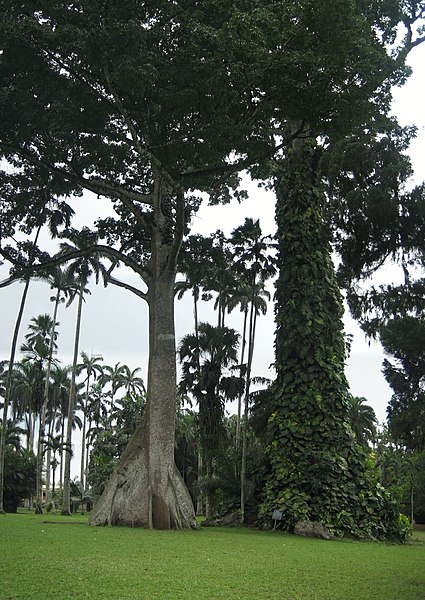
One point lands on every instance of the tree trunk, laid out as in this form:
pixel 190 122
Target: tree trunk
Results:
pixel 146 488
pixel 200 496
pixel 318 472
pixel 40 445
pixel 61 451
pixel 66 502
pixel 53 480
pixel 310 410
pixel 87 458
pixel 30 430
pixel 252 325
pixel 209 496
pixel 83 436
pixel 48 464
pixel 8 389
pixel 238 417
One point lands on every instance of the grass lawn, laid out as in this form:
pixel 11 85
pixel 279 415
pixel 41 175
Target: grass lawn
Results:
pixel 64 558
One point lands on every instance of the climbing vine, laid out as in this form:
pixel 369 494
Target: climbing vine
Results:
pixel 318 471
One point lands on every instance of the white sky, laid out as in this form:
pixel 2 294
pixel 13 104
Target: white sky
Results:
pixel 114 321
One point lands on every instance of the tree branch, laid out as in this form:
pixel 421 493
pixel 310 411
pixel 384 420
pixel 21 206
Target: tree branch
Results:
pixel 408 22
pixel 142 151
pixel 97 186
pixel 179 230
pixel 65 256
pixel 242 164
pixel 128 287
pixel 6 282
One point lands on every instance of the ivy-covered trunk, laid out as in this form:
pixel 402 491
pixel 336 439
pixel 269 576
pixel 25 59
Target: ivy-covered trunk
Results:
pixel 146 488
pixel 318 472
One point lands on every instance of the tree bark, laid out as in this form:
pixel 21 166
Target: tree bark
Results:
pixel 252 325
pixel 83 436
pixel 61 452
pixel 49 465
pixel 66 502
pixel 41 440
pixel 200 495
pixel 238 417
pixel 8 389
pixel 146 488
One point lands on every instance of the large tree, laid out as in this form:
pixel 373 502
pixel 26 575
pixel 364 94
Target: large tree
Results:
pixel 404 342
pixel 318 472
pixel 104 98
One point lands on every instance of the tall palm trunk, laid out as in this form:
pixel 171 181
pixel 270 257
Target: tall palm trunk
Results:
pixel 40 445
pixel 8 388
pixel 200 496
pixel 87 451
pixel 30 418
pixel 243 348
pixel 61 455
pixel 252 326
pixel 48 464
pixel 83 435
pixel 66 502
pixel 86 468
pixel 54 467
pixel 209 496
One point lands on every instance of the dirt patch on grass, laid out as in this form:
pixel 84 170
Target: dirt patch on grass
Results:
pixel 64 523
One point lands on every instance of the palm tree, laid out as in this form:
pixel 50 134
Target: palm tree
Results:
pixel 56 214
pixel 219 276
pixel 63 282
pixel 90 365
pixel 186 445
pixel 132 383
pixel 59 397
pixel 363 420
pixel 82 268
pixel 114 376
pixel 204 363
pixel 54 444
pixel 79 493
pixel 255 264
pixel 98 416
pixel 193 256
pixel 26 392
pixel 8 379
pixel 39 347
pixel 98 406
pixel 12 435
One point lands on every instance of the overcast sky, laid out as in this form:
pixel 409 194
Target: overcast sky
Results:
pixel 114 322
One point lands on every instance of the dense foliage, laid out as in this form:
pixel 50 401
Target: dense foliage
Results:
pixel 319 472
pixel 19 477
pixel 143 103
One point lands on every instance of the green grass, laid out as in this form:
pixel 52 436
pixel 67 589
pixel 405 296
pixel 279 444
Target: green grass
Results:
pixel 65 559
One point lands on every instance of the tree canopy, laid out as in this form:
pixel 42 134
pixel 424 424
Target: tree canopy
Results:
pixel 147 103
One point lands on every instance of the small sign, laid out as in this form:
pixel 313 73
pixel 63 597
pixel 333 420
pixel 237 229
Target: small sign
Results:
pixel 277 515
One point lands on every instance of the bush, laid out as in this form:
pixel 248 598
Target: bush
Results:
pixel 19 477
